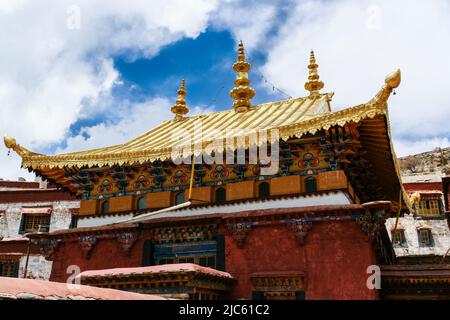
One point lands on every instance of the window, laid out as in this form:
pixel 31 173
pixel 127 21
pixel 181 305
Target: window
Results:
pixel 429 207
pixel 220 196
pixel 142 203
pixel 166 261
pixel 205 261
pixel 34 223
pixel 9 268
pixel 258 295
pixel 425 237
pixel 398 237
pixel 264 190
pixel 179 198
pixel 311 184
pixel 186 260
pixel 73 221
pixel 105 207
pixel 300 295
pixel 202 253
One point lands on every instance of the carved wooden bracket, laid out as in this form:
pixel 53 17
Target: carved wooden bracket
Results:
pixel 370 223
pixel 239 231
pixel 127 240
pixel 87 243
pixel 300 227
pixel 48 247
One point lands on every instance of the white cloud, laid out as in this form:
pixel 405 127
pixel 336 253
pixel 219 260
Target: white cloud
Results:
pixel 9 6
pixel 53 73
pixel 249 21
pixel 357 43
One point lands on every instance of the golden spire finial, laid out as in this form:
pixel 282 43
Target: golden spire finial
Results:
pixel 180 107
pixel 242 93
pixel 313 85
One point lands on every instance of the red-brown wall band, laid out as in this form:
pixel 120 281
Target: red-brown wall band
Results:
pixel 34 196
pixel 334 259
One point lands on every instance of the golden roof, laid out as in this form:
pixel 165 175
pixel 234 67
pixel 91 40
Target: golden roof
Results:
pixel 293 117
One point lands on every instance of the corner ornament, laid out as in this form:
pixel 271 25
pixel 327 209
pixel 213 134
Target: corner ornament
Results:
pixel 391 82
pixel 11 143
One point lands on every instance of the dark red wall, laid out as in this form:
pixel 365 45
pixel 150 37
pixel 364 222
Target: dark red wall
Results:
pixel 38 195
pixel 422 186
pixel 334 258
pixel 17 247
pixel 337 255
pixel 107 254
pixel 19 184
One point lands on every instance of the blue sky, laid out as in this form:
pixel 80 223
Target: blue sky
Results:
pixel 83 74
pixel 204 62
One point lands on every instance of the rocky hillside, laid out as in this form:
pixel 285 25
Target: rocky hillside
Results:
pixel 434 161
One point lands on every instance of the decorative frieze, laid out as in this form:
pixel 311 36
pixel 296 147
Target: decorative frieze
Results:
pixel 185 233
pixel 278 283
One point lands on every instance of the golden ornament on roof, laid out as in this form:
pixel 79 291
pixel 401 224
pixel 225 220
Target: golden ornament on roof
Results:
pixel 391 82
pixel 180 108
pixel 242 93
pixel 393 79
pixel 313 85
pixel 10 143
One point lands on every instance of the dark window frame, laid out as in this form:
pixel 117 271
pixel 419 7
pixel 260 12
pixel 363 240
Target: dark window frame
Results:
pixel 220 198
pixel 191 253
pixel 311 184
pixel 12 270
pixel 180 196
pixel 139 203
pixel 73 221
pixel 264 190
pixel 420 235
pixel 40 227
pixel 400 233
pixel 209 260
pixel 102 207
